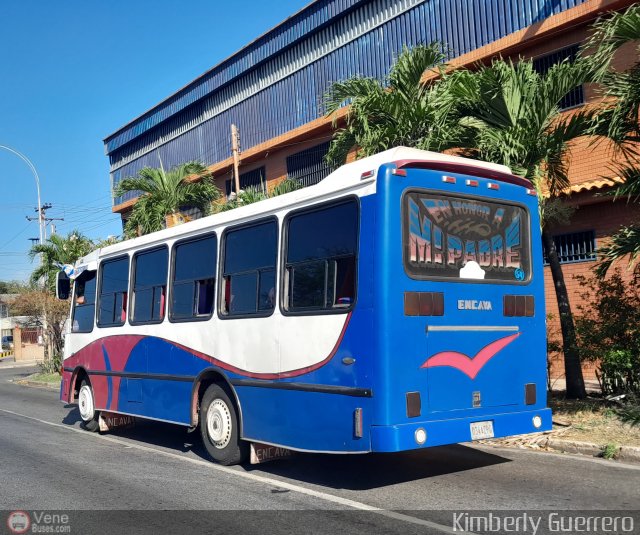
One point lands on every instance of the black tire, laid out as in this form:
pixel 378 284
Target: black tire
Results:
pixel 87 407
pixel 220 427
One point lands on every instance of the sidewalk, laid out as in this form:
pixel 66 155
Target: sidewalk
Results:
pixel 560 385
pixel 10 362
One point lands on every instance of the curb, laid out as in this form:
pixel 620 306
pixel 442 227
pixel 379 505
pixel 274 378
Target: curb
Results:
pixel 625 453
pixel 20 364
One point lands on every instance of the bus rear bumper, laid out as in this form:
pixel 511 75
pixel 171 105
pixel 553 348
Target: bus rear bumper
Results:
pixel 403 437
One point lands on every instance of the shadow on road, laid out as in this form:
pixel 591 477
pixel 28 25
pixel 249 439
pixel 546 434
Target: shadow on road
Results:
pixel 73 416
pixel 362 472
pixel 353 472
pixel 172 437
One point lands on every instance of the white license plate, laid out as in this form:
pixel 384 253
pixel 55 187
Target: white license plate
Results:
pixel 480 430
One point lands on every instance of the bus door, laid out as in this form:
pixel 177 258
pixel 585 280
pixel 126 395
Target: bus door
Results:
pixel 472 258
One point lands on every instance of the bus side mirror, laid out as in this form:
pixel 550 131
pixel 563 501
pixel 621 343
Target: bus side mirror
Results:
pixel 63 286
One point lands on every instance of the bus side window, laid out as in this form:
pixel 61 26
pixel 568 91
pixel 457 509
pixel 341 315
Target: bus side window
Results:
pixel 322 247
pixel 344 270
pixel 249 271
pixel 193 280
pixel 84 303
pixel 114 285
pixel 150 285
pixel 123 307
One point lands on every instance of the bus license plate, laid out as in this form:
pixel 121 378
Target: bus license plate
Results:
pixel 480 430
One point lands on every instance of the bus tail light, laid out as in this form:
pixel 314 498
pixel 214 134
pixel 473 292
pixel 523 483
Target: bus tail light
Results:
pixel 493 185
pixel 449 179
pixel 367 174
pixel 423 304
pixel 357 423
pixel 518 305
pixel 414 404
pixel 532 192
pixel 472 183
pixel 530 394
pixel 399 172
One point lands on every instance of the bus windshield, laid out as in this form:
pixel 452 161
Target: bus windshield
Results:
pixel 454 237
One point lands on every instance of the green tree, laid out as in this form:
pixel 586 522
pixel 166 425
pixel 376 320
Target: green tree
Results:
pixel 43 310
pixel 164 193
pixel 398 111
pixel 608 326
pixel 11 287
pixel 618 120
pixel 511 115
pixel 253 194
pixel 56 251
pixel 40 304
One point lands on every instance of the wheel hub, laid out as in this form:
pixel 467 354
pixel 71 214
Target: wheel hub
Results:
pixel 219 424
pixel 85 403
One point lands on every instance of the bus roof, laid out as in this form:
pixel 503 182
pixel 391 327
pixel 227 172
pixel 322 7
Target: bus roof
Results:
pixel 345 177
pixel 408 154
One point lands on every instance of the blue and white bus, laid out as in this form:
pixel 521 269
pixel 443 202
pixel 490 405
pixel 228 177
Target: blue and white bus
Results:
pixel 398 304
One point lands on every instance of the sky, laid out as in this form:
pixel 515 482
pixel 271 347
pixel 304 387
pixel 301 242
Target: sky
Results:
pixel 74 71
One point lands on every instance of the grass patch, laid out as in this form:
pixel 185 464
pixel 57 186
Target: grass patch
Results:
pixel 592 420
pixel 44 378
pixel 609 451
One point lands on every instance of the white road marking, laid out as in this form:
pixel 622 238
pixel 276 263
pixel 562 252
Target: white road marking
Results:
pixel 253 477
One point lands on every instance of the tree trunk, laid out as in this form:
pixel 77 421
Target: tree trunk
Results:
pixel 572 367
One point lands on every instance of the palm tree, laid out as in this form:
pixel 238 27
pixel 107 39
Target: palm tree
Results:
pixel 57 251
pixel 511 115
pixel 619 122
pixel 400 111
pixel 253 194
pixel 165 193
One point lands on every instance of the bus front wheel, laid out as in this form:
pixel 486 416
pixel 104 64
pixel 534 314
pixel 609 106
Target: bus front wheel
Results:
pixel 87 407
pixel 219 426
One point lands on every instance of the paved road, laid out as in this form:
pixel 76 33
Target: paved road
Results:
pixel 48 462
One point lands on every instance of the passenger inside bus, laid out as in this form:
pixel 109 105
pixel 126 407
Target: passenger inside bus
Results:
pixel 84 304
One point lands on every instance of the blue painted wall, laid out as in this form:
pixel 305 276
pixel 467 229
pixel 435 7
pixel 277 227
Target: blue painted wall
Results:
pixel 277 82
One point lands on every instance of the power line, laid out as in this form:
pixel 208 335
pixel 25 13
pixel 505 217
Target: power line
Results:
pixel 14 237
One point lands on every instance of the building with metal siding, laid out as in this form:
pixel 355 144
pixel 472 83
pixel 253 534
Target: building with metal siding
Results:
pixel 276 83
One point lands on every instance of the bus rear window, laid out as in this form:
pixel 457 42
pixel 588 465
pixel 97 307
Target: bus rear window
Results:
pixel 462 238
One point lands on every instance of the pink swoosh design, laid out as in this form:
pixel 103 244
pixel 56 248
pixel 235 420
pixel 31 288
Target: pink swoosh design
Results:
pixel 467 365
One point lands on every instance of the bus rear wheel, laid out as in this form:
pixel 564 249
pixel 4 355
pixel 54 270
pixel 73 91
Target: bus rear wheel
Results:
pixel 220 429
pixel 87 407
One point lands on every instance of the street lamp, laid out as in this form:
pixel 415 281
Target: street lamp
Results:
pixel 41 222
pixel 35 174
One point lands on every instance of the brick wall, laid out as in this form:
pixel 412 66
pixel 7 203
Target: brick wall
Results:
pixel 604 218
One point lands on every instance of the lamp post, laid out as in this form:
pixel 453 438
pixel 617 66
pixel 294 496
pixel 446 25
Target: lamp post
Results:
pixel 41 224
pixel 35 174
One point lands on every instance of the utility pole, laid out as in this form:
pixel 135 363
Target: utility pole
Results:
pixel 42 220
pixel 235 149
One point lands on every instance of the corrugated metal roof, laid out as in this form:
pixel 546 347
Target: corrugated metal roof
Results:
pixel 438 20
pixel 306 21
